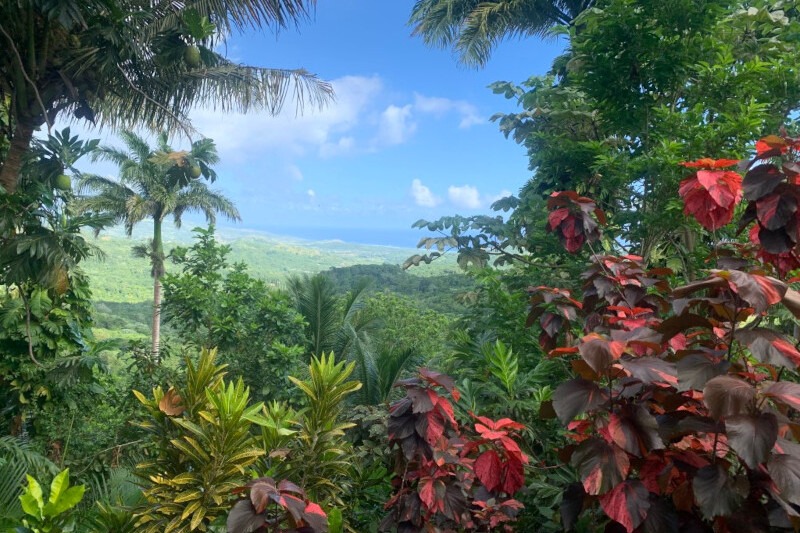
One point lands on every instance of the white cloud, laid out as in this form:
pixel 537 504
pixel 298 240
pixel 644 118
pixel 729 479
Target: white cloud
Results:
pixel 396 125
pixel 311 194
pixel 440 106
pixel 315 130
pixel 422 195
pixel 465 196
pixel 340 147
pixel 493 198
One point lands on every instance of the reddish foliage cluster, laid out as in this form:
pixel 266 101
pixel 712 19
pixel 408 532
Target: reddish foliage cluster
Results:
pixel 710 194
pixel 275 507
pixel 570 218
pixel 447 479
pixel 683 415
pixel 770 186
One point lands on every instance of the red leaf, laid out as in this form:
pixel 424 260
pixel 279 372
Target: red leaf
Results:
pixel 557 217
pixel 771 142
pixel 785 392
pixel 315 517
pixel 514 477
pixel 434 427
pixel 601 466
pixel 488 468
pixel 711 196
pixel 627 503
pixel 427 492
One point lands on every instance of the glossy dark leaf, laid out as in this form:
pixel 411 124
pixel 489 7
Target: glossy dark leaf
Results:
pixel 680 324
pixel 752 436
pixel 601 466
pixel 627 503
pixel 571 505
pixel 575 397
pixel 714 492
pixel 785 472
pixel 455 502
pixel 696 369
pixel 650 370
pixel 675 424
pixel 243 518
pixel 769 346
pixel 760 181
pixel 661 517
pixel 728 396
pixel 775 241
pixel 785 392
pixel 635 430
pixel 596 355
pixel 759 291
pixel 775 210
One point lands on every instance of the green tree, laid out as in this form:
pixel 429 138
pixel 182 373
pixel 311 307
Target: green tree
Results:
pixel 154 184
pixel 199 434
pixel 213 304
pixel 645 85
pixel 474 27
pixel 126 63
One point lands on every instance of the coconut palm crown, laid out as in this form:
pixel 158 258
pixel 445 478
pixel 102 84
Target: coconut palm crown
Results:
pixel 473 28
pixel 134 63
pixel 155 183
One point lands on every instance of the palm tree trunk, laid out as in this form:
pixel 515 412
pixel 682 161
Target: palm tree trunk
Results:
pixel 156 319
pixel 20 143
pixel 158 271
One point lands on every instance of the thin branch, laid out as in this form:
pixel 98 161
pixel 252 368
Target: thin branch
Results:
pixel 28 327
pixel 28 79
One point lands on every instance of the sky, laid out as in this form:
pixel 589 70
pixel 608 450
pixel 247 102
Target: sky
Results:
pixel 407 137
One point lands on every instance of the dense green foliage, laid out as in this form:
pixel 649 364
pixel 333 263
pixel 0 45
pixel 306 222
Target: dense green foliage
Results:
pixel 214 304
pixel 614 402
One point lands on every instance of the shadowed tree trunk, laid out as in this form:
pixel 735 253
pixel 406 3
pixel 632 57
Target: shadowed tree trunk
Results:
pixel 20 142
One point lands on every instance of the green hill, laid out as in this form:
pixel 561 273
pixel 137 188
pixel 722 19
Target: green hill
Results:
pixel 120 277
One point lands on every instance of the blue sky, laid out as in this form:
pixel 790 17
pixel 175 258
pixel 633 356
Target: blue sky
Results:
pixel 408 136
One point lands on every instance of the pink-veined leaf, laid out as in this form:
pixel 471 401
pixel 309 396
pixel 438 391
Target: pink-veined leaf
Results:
pixel 628 503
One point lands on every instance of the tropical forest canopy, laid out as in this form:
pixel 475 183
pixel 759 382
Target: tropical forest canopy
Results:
pixel 619 351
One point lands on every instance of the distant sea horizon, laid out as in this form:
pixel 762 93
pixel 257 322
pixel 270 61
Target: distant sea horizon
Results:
pixel 396 237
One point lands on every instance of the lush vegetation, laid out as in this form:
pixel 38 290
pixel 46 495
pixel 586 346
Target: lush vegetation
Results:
pixel 620 355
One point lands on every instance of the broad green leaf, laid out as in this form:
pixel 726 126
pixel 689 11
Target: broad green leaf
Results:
pixel 59 485
pixel 31 499
pixel 69 499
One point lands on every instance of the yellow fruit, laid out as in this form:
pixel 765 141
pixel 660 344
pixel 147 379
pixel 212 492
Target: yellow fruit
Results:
pixel 195 171
pixel 192 56
pixel 63 182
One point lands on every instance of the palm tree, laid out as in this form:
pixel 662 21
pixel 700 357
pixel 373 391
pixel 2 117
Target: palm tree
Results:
pixel 129 62
pixel 338 324
pixel 474 27
pixel 154 184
